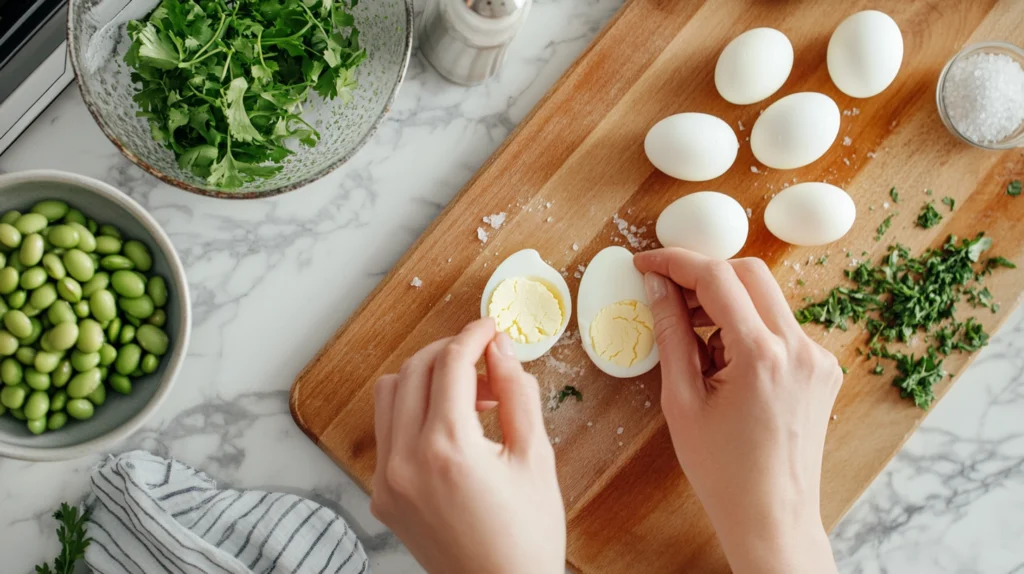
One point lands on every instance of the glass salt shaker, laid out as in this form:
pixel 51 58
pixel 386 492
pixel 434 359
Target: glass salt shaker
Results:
pixel 466 40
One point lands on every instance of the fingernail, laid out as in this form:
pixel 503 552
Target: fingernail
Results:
pixel 656 286
pixel 505 346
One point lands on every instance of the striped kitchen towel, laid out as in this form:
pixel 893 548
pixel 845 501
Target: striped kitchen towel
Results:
pixel 151 515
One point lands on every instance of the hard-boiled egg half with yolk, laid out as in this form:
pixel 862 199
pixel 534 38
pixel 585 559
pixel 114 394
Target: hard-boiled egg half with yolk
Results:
pixel 614 315
pixel 529 301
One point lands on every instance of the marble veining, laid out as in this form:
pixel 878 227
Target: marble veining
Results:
pixel 272 279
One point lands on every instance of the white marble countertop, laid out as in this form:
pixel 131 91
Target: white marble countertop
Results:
pixel 272 279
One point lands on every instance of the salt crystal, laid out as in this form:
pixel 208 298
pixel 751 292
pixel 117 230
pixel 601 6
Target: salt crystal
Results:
pixel 983 96
pixel 847 141
pixel 740 123
pixel 885 205
pixel 557 440
pixel 796 267
pixel 590 424
pixel 872 154
pixel 449 260
pixel 447 297
pixel 575 246
pixel 548 205
pixel 550 219
pixel 620 443
pixel 647 405
pixel 416 282
pixel 846 161
pixel 577 275
pixel 631 233
pixel 495 220
pixel 834 417
pixel 619 430
pixel 753 169
pixel 481 234
pixel 750 213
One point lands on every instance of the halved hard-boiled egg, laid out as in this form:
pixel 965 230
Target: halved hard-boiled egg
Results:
pixel 614 316
pixel 529 301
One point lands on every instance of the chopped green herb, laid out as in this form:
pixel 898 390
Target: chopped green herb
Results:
pixel 894 195
pixel 800 282
pixel 863 253
pixel 884 226
pixel 928 217
pixel 1014 188
pixel 823 260
pixel 871 208
pixel 73 540
pixel 569 391
pixel 844 369
pixel 949 202
pixel 995 262
pixel 928 192
pixel 917 377
pixel 878 370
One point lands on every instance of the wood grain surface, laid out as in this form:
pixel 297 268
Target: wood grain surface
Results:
pixel 629 506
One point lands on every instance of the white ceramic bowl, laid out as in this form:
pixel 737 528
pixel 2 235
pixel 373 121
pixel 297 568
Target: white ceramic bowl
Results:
pixel 121 415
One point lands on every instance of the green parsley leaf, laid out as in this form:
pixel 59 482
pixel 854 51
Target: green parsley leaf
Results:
pixel 878 370
pixel 823 260
pixel 73 540
pixel 884 227
pixel 950 202
pixel 894 195
pixel 1014 188
pixel 157 50
pixel 929 216
pixel 239 126
pixel 569 391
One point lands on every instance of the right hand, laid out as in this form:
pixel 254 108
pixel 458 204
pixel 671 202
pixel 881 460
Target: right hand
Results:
pixel 747 411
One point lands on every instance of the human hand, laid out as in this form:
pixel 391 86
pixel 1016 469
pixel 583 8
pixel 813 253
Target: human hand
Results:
pixel 459 501
pixel 748 411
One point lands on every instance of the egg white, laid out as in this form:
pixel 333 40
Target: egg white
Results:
pixel 610 278
pixel 707 222
pixel 691 146
pixel 528 264
pixel 753 66
pixel 810 213
pixel 795 130
pixel 865 53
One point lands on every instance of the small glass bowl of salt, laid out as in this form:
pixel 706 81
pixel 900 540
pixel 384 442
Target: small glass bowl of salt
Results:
pixel 981 95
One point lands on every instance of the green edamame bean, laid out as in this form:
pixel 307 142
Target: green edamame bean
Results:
pixel 10 217
pixel 8 343
pixel 84 361
pixel 17 299
pixel 138 307
pixel 127 334
pixel 54 266
pixel 128 359
pixel 152 339
pixel 36 426
pixel 62 374
pixel 32 278
pixel 26 355
pixel 58 401
pixel 65 236
pixel 133 320
pixel 51 209
pixel 30 223
pixel 33 336
pixel 86 240
pixel 9 278
pixel 113 329
pixel 31 251
pixel 69 289
pixel 13 397
pixel 44 296
pixel 17 323
pixel 16 413
pixel 36 405
pixel 80 409
pixel 36 380
pixel 102 306
pixel 47 362
pixel 106 245
pixel 61 312
pixel 99 281
pixel 90 336
pixel 108 354
pixel 56 421
pixel 9 236
pixel 83 384
pixel 116 262
pixel 81 309
pixel 139 255
pixel 16 264
pixel 128 283
pixel 79 265
pixel 104 371
pixel 30 310
pixel 109 231
pixel 149 363
pixel 75 216
pixel 98 396
pixel 92 226
pixel 11 372
pixel 158 318
pixel 120 383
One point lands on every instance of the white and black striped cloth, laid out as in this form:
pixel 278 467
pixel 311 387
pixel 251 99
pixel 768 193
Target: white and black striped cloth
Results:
pixel 152 516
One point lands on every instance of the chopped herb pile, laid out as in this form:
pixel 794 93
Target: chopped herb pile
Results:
pixel 223 83
pixel 569 391
pixel 929 216
pixel 73 540
pixel 903 296
pixel 949 202
pixel 884 227
pixel 1014 188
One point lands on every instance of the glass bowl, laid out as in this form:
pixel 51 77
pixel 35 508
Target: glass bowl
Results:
pixel 98 40
pixel 1016 137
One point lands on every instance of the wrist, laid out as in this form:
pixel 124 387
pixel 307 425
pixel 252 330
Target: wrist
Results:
pixel 787 544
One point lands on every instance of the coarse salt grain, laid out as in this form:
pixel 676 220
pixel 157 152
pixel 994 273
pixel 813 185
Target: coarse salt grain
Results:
pixel 481 234
pixel 416 282
pixel 495 220
pixel 753 169
pixel 847 141
pixel 575 246
pixel 984 96
pixel 619 430
pixel 750 212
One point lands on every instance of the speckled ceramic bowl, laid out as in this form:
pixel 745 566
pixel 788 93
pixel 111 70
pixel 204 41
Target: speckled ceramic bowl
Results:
pixel 121 415
pixel 98 40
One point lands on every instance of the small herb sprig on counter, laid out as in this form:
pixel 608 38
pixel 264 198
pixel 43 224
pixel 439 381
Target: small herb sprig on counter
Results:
pixel 1014 188
pixel 569 391
pixel 223 83
pixel 884 226
pixel 73 540
pixel 929 216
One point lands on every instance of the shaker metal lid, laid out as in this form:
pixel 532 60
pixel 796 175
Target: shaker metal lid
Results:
pixel 496 8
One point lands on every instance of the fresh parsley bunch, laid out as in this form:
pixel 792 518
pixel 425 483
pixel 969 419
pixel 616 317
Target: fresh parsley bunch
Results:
pixel 223 83
pixel 73 540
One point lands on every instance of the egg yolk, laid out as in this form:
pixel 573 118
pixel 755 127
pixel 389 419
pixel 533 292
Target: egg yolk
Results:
pixel 528 310
pixel 623 333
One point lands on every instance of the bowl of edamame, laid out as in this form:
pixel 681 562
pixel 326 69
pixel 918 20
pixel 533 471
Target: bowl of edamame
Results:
pixel 94 315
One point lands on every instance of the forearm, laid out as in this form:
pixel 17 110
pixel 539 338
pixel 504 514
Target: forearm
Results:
pixel 779 548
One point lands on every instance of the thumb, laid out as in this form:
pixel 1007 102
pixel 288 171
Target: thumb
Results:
pixel 518 394
pixel 681 375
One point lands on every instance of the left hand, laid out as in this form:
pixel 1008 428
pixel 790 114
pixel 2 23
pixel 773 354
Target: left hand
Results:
pixel 459 501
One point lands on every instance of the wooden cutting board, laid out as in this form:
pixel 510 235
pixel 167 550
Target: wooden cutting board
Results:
pixel 573 179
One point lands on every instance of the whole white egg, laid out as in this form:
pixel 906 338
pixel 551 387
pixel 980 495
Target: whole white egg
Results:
pixel 795 130
pixel 710 223
pixel 753 66
pixel 614 316
pixel 691 146
pixel 530 301
pixel 865 53
pixel 809 214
